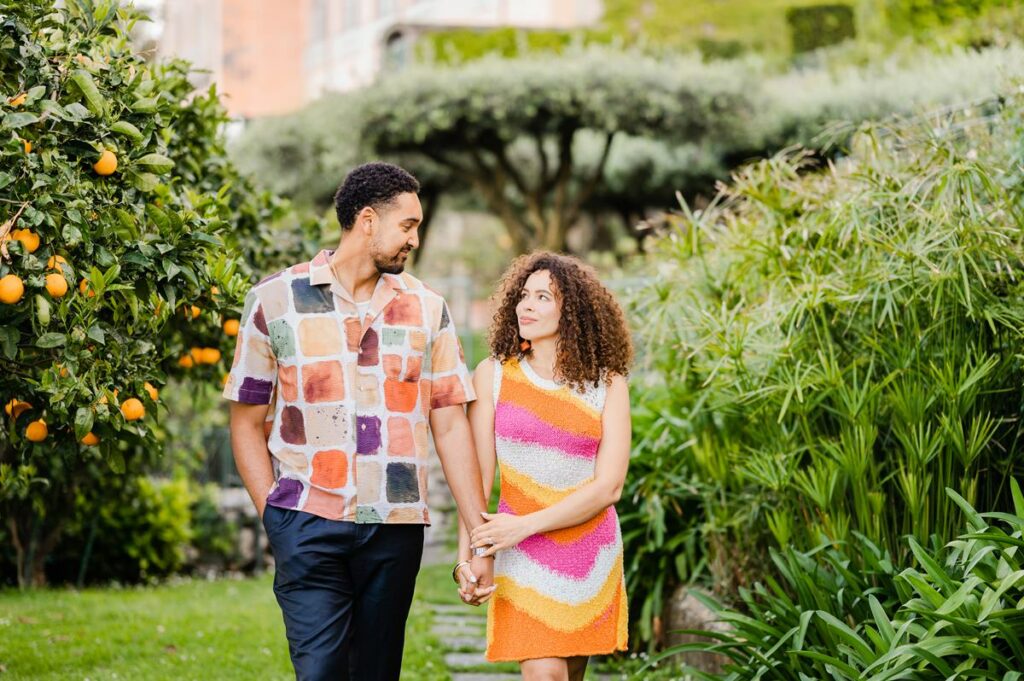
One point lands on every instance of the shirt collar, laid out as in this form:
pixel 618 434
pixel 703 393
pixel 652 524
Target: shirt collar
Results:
pixel 320 274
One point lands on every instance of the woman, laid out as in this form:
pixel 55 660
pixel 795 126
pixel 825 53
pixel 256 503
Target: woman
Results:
pixel 552 411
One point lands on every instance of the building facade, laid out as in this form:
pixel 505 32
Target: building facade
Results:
pixel 270 57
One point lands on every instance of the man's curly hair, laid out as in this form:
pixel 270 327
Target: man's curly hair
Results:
pixel 376 185
pixel 594 341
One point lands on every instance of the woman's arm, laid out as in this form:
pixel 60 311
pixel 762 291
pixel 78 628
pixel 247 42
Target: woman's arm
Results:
pixel 502 531
pixel 481 420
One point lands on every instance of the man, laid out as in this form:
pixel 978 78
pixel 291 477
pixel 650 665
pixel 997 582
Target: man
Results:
pixel 360 362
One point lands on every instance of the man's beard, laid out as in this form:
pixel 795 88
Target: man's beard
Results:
pixel 392 265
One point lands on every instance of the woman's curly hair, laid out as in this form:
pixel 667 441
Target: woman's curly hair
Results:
pixel 594 340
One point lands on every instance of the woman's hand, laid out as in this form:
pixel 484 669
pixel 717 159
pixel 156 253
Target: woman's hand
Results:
pixel 470 590
pixel 500 531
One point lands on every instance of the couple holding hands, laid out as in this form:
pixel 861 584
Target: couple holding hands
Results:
pixel 346 366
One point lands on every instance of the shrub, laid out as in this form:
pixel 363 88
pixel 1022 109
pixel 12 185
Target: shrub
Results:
pixel 958 612
pixel 820 26
pixel 138 530
pixel 833 349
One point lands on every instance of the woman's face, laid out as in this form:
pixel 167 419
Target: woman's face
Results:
pixel 539 311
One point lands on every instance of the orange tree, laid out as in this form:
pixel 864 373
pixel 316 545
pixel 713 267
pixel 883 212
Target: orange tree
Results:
pixel 119 224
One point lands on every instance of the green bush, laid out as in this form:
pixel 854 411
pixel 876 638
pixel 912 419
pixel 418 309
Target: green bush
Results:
pixel 819 26
pixel 830 350
pixel 214 537
pixel 958 612
pixel 136 531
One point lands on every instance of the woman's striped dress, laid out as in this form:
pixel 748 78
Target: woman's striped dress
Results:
pixel 561 593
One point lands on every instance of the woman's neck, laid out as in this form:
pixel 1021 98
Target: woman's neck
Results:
pixel 543 355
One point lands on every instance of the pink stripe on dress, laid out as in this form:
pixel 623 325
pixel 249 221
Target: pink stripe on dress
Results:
pixel 519 424
pixel 583 552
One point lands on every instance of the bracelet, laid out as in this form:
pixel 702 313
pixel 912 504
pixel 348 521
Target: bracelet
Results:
pixel 456 569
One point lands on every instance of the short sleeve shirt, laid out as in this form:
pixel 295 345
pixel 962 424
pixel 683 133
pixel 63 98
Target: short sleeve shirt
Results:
pixel 348 428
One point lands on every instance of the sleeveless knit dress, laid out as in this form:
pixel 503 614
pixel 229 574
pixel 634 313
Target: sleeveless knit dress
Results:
pixel 560 593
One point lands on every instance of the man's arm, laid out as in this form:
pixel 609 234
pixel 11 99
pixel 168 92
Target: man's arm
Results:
pixel 249 445
pixel 454 443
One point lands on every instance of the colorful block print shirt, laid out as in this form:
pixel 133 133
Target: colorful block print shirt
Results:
pixel 348 429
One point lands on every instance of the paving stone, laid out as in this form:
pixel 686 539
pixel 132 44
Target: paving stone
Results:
pixel 464 642
pixel 456 660
pixel 444 630
pixel 461 620
pixel 448 609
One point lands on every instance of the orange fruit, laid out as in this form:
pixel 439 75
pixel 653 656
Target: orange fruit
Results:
pixel 224 379
pixel 231 327
pixel 191 311
pixel 18 100
pixel 63 370
pixel 107 163
pixel 16 408
pixel 132 409
pixel 37 431
pixel 28 239
pixel 84 289
pixel 27 145
pixel 186 362
pixel 210 355
pixel 214 291
pixel 11 289
pixel 196 354
pixel 90 440
pixel 56 285
pixel 55 262
pixel 154 394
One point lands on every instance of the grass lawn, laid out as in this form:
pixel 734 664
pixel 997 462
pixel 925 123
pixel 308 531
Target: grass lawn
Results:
pixel 222 630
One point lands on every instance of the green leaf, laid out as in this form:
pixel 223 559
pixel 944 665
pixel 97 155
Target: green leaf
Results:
pixel 51 340
pixel 91 93
pixel 156 163
pixel 158 216
pixel 96 333
pixel 83 422
pixel 72 234
pixel 19 119
pixel 76 112
pixel 116 462
pixel 9 337
pixel 145 182
pixel 127 222
pixel 5 179
pixel 127 129
pixel 145 105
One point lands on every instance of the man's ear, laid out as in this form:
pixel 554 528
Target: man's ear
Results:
pixel 366 219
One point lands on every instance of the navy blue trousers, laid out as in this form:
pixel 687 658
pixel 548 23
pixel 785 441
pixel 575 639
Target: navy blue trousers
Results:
pixel 345 591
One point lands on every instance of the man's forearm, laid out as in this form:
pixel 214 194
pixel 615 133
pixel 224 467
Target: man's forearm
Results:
pixel 462 470
pixel 252 459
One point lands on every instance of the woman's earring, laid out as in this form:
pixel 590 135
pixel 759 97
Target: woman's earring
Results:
pixel 525 346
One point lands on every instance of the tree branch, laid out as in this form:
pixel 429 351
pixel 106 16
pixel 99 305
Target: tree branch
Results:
pixel 591 184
